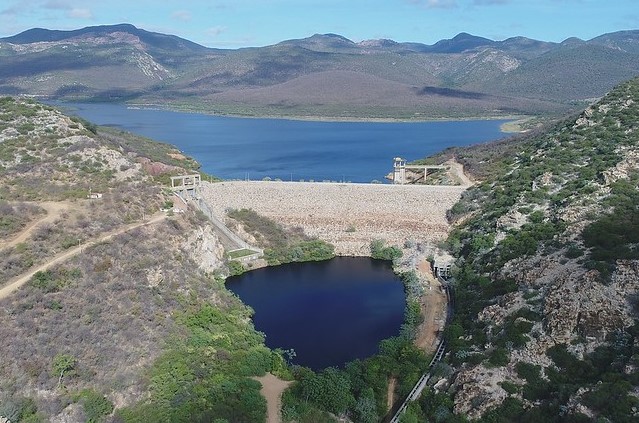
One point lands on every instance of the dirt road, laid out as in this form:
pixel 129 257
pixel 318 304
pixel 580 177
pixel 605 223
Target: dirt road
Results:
pixel 25 277
pixel 272 389
pixel 457 170
pixel 53 209
pixel 433 305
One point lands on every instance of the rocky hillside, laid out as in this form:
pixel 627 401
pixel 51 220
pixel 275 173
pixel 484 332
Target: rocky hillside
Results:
pixel 547 276
pixel 124 325
pixel 322 75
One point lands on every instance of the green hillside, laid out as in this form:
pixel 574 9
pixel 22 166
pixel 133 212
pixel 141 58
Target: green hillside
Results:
pixel 546 277
pixel 130 321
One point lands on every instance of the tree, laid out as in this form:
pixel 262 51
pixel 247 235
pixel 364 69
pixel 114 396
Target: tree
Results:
pixel 380 252
pixel 329 390
pixel 365 408
pixel 63 363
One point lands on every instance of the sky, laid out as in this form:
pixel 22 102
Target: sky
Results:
pixel 253 23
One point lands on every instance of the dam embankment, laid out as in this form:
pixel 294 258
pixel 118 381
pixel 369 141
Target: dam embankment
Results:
pixel 347 215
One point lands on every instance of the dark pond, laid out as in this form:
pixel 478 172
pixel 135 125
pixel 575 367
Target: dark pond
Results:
pixel 236 148
pixel 329 312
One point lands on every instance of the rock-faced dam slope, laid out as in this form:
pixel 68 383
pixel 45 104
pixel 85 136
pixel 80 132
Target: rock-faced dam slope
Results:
pixel 347 215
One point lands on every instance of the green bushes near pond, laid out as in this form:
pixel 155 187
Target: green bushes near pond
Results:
pixel 204 375
pixel 359 391
pixel 311 250
pixel 282 245
pixel 381 252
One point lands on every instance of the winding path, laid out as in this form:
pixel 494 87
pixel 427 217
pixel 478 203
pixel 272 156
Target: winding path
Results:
pixel 53 209
pixel 20 280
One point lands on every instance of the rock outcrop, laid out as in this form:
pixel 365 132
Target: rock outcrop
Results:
pixel 205 248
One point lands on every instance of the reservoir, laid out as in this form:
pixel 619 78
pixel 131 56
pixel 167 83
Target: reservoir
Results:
pixel 243 148
pixel 328 312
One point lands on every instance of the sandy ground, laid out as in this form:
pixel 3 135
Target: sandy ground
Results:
pixel 272 389
pixel 348 216
pixel 457 171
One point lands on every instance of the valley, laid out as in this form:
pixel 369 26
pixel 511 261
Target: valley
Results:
pixel 113 304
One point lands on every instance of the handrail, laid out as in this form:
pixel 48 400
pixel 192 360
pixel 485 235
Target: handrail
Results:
pixel 232 237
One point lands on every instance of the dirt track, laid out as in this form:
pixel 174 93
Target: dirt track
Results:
pixel 347 215
pixel 272 389
pixel 53 209
pixel 433 305
pixel 25 277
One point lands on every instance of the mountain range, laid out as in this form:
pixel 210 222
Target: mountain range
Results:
pixel 322 75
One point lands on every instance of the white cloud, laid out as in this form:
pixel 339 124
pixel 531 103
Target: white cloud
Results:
pixel 79 13
pixel 18 7
pixel 436 4
pixel 489 2
pixel 181 15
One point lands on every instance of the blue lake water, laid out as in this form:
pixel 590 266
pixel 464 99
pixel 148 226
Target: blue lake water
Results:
pixel 240 148
pixel 329 312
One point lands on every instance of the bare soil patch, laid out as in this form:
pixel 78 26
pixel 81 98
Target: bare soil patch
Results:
pixel 433 305
pixel 457 171
pixel 272 389
pixel 390 394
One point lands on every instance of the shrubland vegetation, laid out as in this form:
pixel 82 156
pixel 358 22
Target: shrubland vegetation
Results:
pixel 132 320
pixel 615 235
pixel 204 373
pixel 79 224
pixel 134 303
pixel 15 217
pixel 194 338
pixel 519 212
pixel 609 390
pixel 281 245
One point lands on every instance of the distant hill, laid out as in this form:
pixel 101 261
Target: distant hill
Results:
pixel 514 76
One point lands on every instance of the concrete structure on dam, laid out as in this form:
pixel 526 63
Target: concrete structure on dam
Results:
pixel 400 167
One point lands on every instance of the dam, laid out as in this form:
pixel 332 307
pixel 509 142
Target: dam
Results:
pixel 347 215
